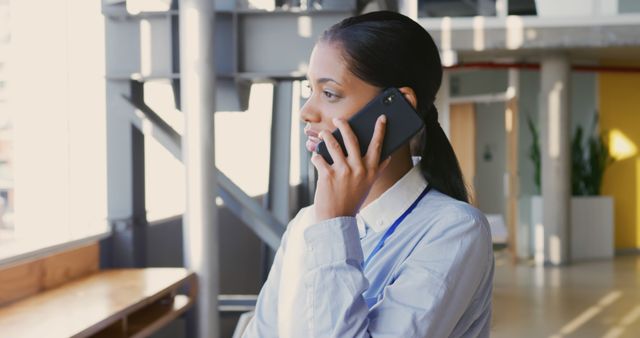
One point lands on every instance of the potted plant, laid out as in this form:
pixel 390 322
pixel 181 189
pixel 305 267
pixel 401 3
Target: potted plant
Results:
pixel 591 228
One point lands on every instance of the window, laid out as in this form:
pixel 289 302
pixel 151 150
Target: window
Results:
pixel 52 124
pixel 165 174
pixel 6 147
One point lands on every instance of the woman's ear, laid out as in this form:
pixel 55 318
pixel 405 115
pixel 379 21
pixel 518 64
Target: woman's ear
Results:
pixel 410 95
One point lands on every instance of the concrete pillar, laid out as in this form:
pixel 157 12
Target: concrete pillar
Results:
pixel 502 8
pixel 511 119
pixel 200 226
pixel 409 8
pixel 555 134
pixel 442 103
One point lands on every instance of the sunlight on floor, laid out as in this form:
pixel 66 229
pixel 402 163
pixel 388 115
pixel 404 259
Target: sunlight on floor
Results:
pixel 586 299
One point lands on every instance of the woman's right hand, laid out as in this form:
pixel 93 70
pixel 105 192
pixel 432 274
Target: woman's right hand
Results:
pixel 343 186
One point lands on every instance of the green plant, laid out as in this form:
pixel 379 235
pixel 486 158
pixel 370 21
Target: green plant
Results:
pixel 589 160
pixel 534 154
pixel 597 161
pixel 577 164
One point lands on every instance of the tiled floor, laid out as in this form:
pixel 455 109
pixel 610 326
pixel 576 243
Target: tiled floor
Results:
pixel 589 299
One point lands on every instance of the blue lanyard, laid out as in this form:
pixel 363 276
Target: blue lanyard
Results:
pixel 395 224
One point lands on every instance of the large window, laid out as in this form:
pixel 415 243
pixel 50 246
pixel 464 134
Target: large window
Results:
pixel 52 124
pixel 6 131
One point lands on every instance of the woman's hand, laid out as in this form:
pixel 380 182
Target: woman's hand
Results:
pixel 343 186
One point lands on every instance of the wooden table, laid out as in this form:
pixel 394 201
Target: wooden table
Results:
pixel 108 303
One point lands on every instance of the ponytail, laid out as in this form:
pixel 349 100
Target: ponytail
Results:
pixel 439 164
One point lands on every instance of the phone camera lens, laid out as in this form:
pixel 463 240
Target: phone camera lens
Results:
pixel 388 100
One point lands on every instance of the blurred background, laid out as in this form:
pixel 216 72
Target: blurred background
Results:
pixel 540 99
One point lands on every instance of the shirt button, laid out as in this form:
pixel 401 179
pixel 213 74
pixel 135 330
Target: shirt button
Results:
pixel 379 223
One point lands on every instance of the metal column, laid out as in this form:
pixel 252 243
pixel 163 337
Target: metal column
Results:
pixel 555 124
pixel 125 167
pixel 278 197
pixel 197 86
pixel 139 219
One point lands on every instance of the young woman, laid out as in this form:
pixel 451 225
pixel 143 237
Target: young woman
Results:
pixel 388 249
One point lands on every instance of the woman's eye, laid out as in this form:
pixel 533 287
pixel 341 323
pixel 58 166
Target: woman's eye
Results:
pixel 329 94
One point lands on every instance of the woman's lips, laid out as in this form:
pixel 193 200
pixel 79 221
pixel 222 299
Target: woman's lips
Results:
pixel 312 139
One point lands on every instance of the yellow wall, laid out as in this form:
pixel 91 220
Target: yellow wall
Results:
pixel 619 95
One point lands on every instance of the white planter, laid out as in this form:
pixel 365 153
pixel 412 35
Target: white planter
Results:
pixel 576 8
pixel 591 229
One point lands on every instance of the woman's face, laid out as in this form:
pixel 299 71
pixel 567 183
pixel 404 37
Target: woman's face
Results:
pixel 335 92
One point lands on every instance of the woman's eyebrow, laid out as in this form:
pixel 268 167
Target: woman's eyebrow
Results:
pixel 324 80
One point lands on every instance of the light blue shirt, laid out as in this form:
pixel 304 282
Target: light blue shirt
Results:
pixel 432 278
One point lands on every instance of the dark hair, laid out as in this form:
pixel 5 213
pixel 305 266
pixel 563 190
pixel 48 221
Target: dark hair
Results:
pixel 388 49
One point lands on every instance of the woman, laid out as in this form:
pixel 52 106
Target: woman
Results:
pixel 388 249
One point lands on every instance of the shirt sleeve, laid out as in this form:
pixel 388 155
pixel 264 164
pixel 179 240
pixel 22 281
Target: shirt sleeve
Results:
pixel 264 323
pixel 429 292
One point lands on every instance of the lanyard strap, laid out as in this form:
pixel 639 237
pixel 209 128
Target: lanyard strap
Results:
pixel 395 224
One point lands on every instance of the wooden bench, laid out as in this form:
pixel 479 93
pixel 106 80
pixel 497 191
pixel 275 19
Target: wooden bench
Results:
pixel 104 303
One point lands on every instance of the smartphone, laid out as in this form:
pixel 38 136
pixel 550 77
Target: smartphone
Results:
pixel 403 123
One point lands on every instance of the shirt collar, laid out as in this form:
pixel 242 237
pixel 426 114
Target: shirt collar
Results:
pixel 385 209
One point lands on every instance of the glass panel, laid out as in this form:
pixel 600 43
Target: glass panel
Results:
pixel 6 132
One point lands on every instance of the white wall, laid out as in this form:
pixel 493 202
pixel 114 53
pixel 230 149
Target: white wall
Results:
pixel 628 6
pixel 490 132
pixel 478 82
pixel 490 140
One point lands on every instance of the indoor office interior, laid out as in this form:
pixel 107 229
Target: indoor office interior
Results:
pixel 152 154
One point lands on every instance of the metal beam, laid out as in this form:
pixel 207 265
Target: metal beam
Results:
pixel 237 303
pixel 261 221
pixel 532 35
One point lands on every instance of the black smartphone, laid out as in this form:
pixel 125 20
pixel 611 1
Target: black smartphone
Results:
pixel 403 123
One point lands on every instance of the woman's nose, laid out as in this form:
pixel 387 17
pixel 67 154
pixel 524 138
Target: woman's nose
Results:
pixel 308 113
